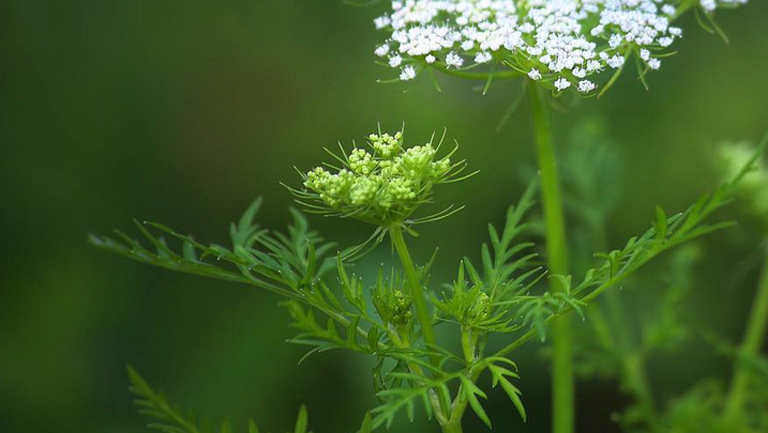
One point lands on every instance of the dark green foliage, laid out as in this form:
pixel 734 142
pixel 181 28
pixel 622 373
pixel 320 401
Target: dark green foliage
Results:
pixel 495 298
pixel 169 419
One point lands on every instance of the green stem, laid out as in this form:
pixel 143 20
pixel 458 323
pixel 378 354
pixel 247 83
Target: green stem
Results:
pixel 557 260
pixel 422 313
pixel 414 286
pixel 755 335
pixel 451 427
pixel 467 345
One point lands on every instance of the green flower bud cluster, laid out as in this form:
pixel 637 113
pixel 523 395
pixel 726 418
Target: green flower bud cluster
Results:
pixel 401 309
pixel 391 301
pixel 754 186
pixel 383 183
pixel 480 308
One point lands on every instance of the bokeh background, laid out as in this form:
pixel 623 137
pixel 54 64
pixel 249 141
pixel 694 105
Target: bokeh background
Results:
pixel 183 112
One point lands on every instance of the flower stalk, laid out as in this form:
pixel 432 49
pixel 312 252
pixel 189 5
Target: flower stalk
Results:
pixel 557 260
pixel 414 286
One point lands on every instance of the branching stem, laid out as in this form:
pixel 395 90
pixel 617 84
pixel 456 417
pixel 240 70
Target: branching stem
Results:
pixel 460 404
pixel 422 312
pixel 557 258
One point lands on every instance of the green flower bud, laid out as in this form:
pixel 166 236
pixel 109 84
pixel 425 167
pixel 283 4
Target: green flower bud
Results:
pixel 480 309
pixel 401 309
pixel 383 184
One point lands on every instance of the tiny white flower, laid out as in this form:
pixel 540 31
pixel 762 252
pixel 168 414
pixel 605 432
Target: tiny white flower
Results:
pixel 666 41
pixel 675 31
pixel 594 66
pixel 408 73
pixel 534 74
pixel 453 59
pixel 668 10
pixel 615 40
pixel 586 86
pixel 527 28
pixel 709 5
pixel 534 51
pixel 395 61
pixel 654 64
pixel 483 57
pixel 562 84
pixel 382 50
pixel 382 21
pixel 430 59
pixel 645 54
pixel 616 61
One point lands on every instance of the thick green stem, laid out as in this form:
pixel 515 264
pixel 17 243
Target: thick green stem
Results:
pixel 451 427
pixel 467 345
pixel 753 339
pixel 414 286
pixel 557 259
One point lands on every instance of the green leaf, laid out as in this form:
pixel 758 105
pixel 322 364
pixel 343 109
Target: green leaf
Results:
pixel 252 427
pixel 661 225
pixel 226 427
pixel 301 420
pixel 471 392
pixel 373 339
pixel 352 332
pixel 499 377
pixel 367 425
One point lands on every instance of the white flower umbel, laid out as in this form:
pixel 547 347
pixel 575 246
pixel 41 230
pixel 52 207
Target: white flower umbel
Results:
pixel 551 41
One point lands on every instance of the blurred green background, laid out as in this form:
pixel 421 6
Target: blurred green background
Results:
pixel 183 112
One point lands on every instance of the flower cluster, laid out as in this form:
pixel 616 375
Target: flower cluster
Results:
pixel 561 43
pixel 382 184
pixel 480 308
